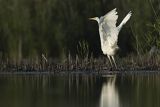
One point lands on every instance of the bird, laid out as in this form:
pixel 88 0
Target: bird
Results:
pixel 109 32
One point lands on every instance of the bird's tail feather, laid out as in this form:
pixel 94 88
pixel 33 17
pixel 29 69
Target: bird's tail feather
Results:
pixel 125 20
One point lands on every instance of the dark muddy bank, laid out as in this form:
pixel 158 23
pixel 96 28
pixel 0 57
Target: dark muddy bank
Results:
pixel 128 65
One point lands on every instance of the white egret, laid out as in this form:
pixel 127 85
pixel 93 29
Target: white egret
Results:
pixel 109 33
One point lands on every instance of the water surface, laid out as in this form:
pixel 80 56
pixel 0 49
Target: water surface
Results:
pixel 79 91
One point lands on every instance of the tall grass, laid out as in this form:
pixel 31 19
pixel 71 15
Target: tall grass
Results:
pixel 101 64
pixel 83 49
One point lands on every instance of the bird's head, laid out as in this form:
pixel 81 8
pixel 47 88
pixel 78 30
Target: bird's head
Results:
pixel 94 18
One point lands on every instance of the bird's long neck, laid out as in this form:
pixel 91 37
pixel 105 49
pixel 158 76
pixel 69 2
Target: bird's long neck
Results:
pixel 101 37
pixel 100 32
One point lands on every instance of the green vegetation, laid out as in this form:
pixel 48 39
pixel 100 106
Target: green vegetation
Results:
pixel 137 63
pixel 30 28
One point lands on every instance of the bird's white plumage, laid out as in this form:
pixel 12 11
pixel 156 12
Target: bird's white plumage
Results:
pixel 111 18
pixel 124 21
pixel 109 32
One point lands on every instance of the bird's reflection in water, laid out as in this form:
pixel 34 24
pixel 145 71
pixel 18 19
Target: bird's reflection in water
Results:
pixel 109 93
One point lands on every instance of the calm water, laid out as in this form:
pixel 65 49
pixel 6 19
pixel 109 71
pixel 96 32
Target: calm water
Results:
pixel 79 91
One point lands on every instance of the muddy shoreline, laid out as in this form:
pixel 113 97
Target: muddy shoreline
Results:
pixel 96 73
pixel 96 66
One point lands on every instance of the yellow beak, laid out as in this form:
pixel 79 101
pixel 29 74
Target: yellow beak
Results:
pixel 92 19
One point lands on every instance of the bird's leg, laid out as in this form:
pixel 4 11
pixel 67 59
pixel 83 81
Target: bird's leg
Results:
pixel 110 60
pixel 114 61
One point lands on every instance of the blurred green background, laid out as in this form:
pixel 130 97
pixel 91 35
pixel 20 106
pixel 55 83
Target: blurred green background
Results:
pixel 57 28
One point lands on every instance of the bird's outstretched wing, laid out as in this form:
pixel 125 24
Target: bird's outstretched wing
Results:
pixel 108 23
pixel 111 18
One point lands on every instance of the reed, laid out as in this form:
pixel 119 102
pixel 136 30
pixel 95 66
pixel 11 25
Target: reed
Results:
pixel 101 64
